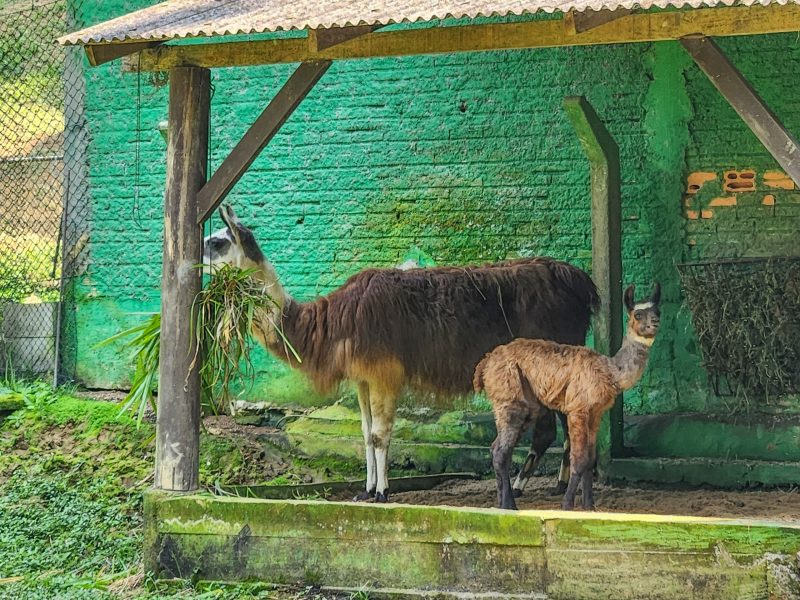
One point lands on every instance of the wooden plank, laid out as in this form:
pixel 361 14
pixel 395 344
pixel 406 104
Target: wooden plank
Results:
pixel 258 136
pixel 99 54
pixel 580 22
pixel 178 419
pixel 646 27
pixel 603 155
pixel 766 126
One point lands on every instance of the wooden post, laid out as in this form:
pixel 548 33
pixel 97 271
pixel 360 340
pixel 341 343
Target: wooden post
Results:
pixel 603 155
pixel 178 421
pixel 781 144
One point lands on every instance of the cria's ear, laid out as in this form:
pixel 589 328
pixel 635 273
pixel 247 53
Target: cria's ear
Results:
pixel 628 297
pixel 655 297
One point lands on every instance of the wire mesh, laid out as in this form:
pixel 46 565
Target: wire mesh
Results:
pixel 44 210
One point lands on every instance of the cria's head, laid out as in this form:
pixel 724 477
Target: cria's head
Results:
pixel 644 316
pixel 232 245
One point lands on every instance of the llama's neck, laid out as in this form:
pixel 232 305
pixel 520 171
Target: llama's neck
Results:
pixel 265 324
pixel 265 273
pixel 629 362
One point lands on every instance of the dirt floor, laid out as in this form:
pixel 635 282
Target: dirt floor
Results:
pixel 781 504
pixel 774 504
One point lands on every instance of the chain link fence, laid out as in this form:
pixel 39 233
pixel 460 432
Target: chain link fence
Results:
pixel 44 206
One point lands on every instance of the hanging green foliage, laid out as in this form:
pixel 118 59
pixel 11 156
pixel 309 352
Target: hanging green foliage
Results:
pixel 226 310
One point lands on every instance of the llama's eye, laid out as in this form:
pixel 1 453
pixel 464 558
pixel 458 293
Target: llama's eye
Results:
pixel 637 315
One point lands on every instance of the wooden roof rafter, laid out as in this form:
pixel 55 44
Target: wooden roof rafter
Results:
pixel 628 28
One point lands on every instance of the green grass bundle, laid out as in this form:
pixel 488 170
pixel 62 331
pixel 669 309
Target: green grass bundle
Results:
pixel 225 311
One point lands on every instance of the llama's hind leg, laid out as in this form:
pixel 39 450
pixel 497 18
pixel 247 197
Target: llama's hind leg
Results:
pixel 511 419
pixel 369 447
pixel 544 432
pixel 383 409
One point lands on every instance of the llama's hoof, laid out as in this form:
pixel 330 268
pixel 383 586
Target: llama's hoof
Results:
pixel 558 490
pixel 516 492
pixel 567 506
pixel 382 497
pixel 364 496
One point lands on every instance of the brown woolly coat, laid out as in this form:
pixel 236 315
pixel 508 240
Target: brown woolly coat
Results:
pixel 430 327
pixel 569 379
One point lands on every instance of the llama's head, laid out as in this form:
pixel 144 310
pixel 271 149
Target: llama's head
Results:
pixel 644 316
pixel 232 245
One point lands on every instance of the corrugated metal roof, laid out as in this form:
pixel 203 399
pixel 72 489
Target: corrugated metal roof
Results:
pixel 176 19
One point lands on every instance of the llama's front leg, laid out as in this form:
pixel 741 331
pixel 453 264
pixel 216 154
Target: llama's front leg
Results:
pixel 383 409
pixel 544 432
pixel 369 447
pixel 588 473
pixel 563 472
pixel 579 458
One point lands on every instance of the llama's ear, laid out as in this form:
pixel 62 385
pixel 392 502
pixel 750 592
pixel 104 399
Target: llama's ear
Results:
pixel 229 217
pixel 628 297
pixel 232 218
pixel 655 297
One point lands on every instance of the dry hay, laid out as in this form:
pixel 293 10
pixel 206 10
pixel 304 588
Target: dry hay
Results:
pixel 746 313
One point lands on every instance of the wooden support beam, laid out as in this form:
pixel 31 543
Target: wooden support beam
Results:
pixel 322 39
pixel 640 27
pixel 766 126
pixel 178 418
pixel 258 136
pixel 603 155
pixel 581 22
pixel 99 54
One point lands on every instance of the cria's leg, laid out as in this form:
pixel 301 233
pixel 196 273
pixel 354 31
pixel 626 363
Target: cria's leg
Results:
pixel 588 474
pixel 511 418
pixel 544 432
pixel 563 473
pixel 369 447
pixel 383 409
pixel 580 459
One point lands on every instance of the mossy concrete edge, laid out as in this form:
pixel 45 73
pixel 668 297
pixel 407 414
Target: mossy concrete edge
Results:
pixel 445 550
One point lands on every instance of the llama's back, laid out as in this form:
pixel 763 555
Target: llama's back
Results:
pixel 559 375
pixel 439 322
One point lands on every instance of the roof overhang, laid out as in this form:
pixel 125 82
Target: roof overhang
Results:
pixel 346 28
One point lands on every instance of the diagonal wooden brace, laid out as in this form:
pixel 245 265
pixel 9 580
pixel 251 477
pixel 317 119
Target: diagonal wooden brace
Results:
pixel 781 144
pixel 258 136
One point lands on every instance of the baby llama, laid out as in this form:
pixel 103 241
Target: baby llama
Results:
pixel 525 377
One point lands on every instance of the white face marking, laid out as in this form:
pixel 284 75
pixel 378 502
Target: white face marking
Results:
pixel 643 306
pixel 219 249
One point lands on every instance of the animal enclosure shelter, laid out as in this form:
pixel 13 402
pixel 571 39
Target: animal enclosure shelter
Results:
pixel 641 143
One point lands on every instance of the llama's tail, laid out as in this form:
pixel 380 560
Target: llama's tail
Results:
pixel 477 379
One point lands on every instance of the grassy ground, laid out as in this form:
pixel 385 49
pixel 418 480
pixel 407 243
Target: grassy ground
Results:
pixel 72 472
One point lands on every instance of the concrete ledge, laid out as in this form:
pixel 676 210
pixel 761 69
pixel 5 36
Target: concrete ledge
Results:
pixel 412 551
pixel 770 438
pixel 717 472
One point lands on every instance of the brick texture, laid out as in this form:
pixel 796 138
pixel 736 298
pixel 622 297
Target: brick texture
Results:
pixel 467 157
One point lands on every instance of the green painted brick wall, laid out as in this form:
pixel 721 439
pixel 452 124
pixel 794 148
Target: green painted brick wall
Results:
pixel 467 157
pixel 766 220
